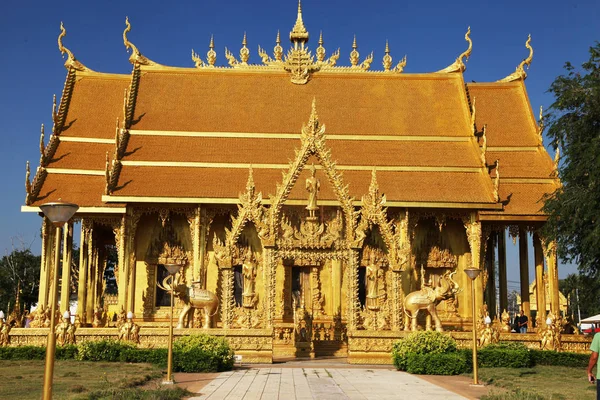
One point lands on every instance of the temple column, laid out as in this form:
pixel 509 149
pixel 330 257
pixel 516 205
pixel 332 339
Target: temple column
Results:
pixel 197 239
pixel 490 257
pixel 352 318
pixel 540 285
pixel 552 263
pixel 502 270
pixel 67 255
pixel 477 245
pixel 47 235
pixel 123 282
pixel 227 299
pixel 91 268
pixel 336 285
pixel 204 228
pixel 524 270
pixel 83 273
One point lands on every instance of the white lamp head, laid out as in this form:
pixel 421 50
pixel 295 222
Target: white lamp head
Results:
pixel 1 314
pixel 66 315
pixel 488 320
pixel 548 321
pixel 129 315
pixel 59 212
pixel 472 273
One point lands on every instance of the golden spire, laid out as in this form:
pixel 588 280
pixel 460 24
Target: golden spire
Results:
pixel 354 55
pixel 211 55
pixel 244 51
pixel 374 186
pixel 387 59
pixel 459 65
pixel 250 183
pixel 520 70
pixel 71 60
pixel 313 120
pixel 320 50
pixel 299 34
pixel 278 50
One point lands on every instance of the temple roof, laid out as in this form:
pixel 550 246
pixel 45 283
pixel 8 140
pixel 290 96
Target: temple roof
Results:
pixel 169 134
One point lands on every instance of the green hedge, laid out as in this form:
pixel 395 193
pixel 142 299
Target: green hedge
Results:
pixel 196 353
pixel 424 342
pixel 436 364
pixel 565 359
pixel 507 358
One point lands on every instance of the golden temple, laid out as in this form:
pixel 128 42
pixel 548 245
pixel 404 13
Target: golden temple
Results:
pixel 312 199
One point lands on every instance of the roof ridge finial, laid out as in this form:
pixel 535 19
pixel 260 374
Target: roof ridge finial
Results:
pixel 136 57
pixel 278 50
pixel 211 55
pixel 459 65
pixel 250 183
pixel 244 51
pixel 320 50
pixel 71 60
pixel 520 70
pixel 374 185
pixel 387 58
pixel 354 55
pixel 299 32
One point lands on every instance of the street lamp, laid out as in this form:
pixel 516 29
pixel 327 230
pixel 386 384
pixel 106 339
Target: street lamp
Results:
pixel 172 269
pixel 58 213
pixel 472 273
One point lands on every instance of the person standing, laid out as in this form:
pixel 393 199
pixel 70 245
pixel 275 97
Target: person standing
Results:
pixel 523 321
pixel 595 348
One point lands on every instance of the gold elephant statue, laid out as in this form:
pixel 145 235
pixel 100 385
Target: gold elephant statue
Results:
pixel 193 297
pixel 427 299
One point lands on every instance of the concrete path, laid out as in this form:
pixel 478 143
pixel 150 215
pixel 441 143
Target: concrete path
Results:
pixel 321 384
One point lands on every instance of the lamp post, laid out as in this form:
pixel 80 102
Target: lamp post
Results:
pixel 58 213
pixel 172 269
pixel 472 273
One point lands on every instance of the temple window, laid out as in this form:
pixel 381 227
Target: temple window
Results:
pixel 238 286
pixel 362 286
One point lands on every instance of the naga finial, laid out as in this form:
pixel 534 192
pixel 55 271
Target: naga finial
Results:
pixel 473 113
pixel 42 146
pixel 136 57
pixel 497 181
pixel 520 70
pixel 27 181
pixel 484 145
pixel 541 126
pixel 107 174
pixel 354 55
pixel 71 60
pixel 320 50
pixel 244 51
pixel 54 114
pixel 459 65
pixel 299 34
pixel 387 59
pixel 400 67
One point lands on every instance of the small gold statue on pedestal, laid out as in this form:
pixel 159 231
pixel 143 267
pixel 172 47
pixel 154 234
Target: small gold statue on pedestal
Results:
pixel 313 185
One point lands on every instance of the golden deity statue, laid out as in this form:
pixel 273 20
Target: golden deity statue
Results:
pixel 312 186
pixel 249 273
pixel 372 284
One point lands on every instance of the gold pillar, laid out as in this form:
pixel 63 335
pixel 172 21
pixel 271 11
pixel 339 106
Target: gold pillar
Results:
pixel 552 263
pixel 477 246
pixel 91 270
pixel 524 269
pixel 204 226
pixel 65 287
pixel 336 285
pixel 227 299
pixel 83 273
pixel 352 296
pixel 44 265
pixel 196 245
pixel 540 285
pixel 502 270
pixel 121 240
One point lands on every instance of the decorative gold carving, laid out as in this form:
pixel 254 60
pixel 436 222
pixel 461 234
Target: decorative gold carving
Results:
pixel 71 60
pixel 483 148
pixel 313 186
pixel 244 51
pixel 497 181
pixel 459 65
pixel 520 70
pixel 550 336
pixel 427 298
pixel 194 298
pixel 489 333
pixel 441 258
pixel 211 56
pixel 65 332
pixel 387 61
pixel 299 33
pixel 505 322
pixel 318 298
pixel 473 230
pixel 249 269
pixel 540 130
pixel 129 331
pixel 4 333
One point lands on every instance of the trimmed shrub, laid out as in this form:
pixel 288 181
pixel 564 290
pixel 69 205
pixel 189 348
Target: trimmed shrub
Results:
pixel 103 350
pixel 202 353
pixel 424 342
pixel 23 353
pixel 152 356
pixel 436 363
pixel 565 359
pixel 490 357
pixel 67 352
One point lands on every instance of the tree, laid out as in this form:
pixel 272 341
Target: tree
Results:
pixel 583 292
pixel 19 270
pixel 573 209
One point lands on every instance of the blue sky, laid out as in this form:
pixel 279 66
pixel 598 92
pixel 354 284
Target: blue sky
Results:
pixel 430 33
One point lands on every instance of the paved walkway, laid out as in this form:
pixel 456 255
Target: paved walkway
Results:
pixel 321 384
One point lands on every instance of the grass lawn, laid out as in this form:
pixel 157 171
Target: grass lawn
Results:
pixel 84 380
pixel 540 382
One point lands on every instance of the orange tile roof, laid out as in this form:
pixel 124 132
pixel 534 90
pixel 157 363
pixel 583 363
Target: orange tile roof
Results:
pixel 522 164
pixel 75 155
pixel 229 182
pixel 83 190
pixel 523 199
